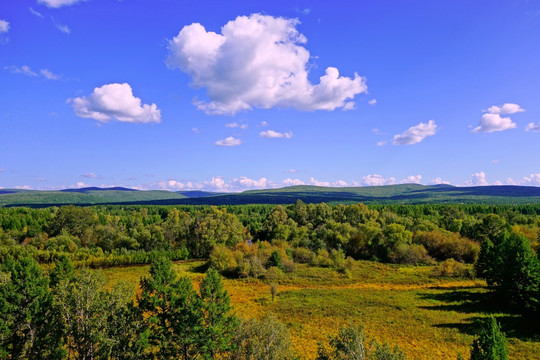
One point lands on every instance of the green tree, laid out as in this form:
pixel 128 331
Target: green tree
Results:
pixel 29 325
pixel 219 324
pixel 63 270
pixel 264 339
pixel 491 343
pixel 275 260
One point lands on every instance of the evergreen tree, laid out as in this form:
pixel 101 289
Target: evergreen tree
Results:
pixel 219 324
pixel 491 344
pixel 30 327
pixel 275 260
pixel 62 270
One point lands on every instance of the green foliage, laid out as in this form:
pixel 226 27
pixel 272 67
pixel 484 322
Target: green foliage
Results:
pixel 491 343
pixel 275 260
pixel 29 325
pixel 351 344
pixel 63 270
pixel 266 339
pixel 219 323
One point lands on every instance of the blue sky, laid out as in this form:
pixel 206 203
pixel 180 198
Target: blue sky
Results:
pixel 227 96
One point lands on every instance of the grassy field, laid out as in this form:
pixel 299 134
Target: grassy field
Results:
pixel 427 316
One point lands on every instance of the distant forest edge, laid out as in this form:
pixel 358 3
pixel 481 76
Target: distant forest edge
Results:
pixel 389 194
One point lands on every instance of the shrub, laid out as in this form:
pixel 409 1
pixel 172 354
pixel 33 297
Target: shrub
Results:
pixel 275 260
pixel 251 266
pixel 322 259
pixel 289 266
pixel 222 259
pixel 273 273
pixel 410 254
pixel 303 256
pixel 445 245
pixel 452 268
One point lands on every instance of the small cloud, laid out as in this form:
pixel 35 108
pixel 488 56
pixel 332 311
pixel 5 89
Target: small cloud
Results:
pixel 116 101
pixel 292 182
pixel 230 141
pixel 305 11
pixel 23 187
pixel 49 74
pixel 25 70
pixel 196 130
pixel 313 181
pixel 90 175
pixel 4 26
pixel 532 127
pixel 372 102
pixel 237 125
pixel 350 105
pixel 413 179
pixel 377 180
pixel 35 13
pixel 292 171
pixel 439 181
pixel 532 179
pixel 505 109
pixel 81 184
pixel 496 161
pixel 59 3
pixel 271 134
pixel 494 122
pixel 382 143
pixel 478 179
pixel 41 179
pixel 415 134
pixel 263 123
pixel 63 28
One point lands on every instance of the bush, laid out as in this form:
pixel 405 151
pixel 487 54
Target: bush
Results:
pixel 445 245
pixel 322 259
pixel 251 266
pixel 289 266
pixel 410 254
pixel 273 273
pixel 222 259
pixel 303 256
pixel 452 268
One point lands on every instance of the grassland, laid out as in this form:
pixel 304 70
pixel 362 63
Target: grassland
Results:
pixel 427 316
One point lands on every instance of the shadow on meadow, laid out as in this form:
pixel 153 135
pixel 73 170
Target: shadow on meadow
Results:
pixel 479 304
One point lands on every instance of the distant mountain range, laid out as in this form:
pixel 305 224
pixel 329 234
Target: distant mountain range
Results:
pixel 390 194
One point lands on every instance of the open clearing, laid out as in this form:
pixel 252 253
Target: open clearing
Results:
pixel 427 316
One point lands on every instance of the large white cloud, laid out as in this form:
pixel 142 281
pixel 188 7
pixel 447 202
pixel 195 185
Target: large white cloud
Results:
pixel 507 108
pixel 257 61
pixel 532 179
pixel 494 122
pixel 415 134
pixel 271 134
pixel 115 101
pixel 59 3
pixel 478 179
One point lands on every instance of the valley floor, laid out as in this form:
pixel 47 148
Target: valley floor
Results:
pixel 427 316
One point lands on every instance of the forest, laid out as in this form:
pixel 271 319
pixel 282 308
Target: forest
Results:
pixel 57 257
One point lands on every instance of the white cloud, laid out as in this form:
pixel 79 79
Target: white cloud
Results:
pixel 494 122
pixel 381 143
pixel 415 134
pixel 532 179
pixel 59 3
pixel 376 180
pixel 89 175
pixel 292 182
pixel 230 141
pixel 292 171
pixel 35 13
pixel 532 127
pixel 246 183
pixel 496 161
pixel 4 26
pixel 413 179
pixel 271 134
pixel 81 184
pixel 63 28
pixel 115 101
pixel 196 130
pixel 313 181
pixel 264 123
pixel 439 181
pixel 372 102
pixel 340 183
pixel 349 106
pixel 478 179
pixel 23 187
pixel 257 61
pixel 237 125
pixel 505 109
pixel 49 74
pixel 25 70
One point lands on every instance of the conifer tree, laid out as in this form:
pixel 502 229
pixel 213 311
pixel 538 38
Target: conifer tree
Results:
pixel 63 269
pixel 218 321
pixel 29 325
pixel 491 344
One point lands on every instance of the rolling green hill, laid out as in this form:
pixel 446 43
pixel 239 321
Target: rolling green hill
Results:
pixel 390 194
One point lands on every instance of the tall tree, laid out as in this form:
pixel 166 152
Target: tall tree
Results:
pixel 491 343
pixel 218 321
pixel 30 327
